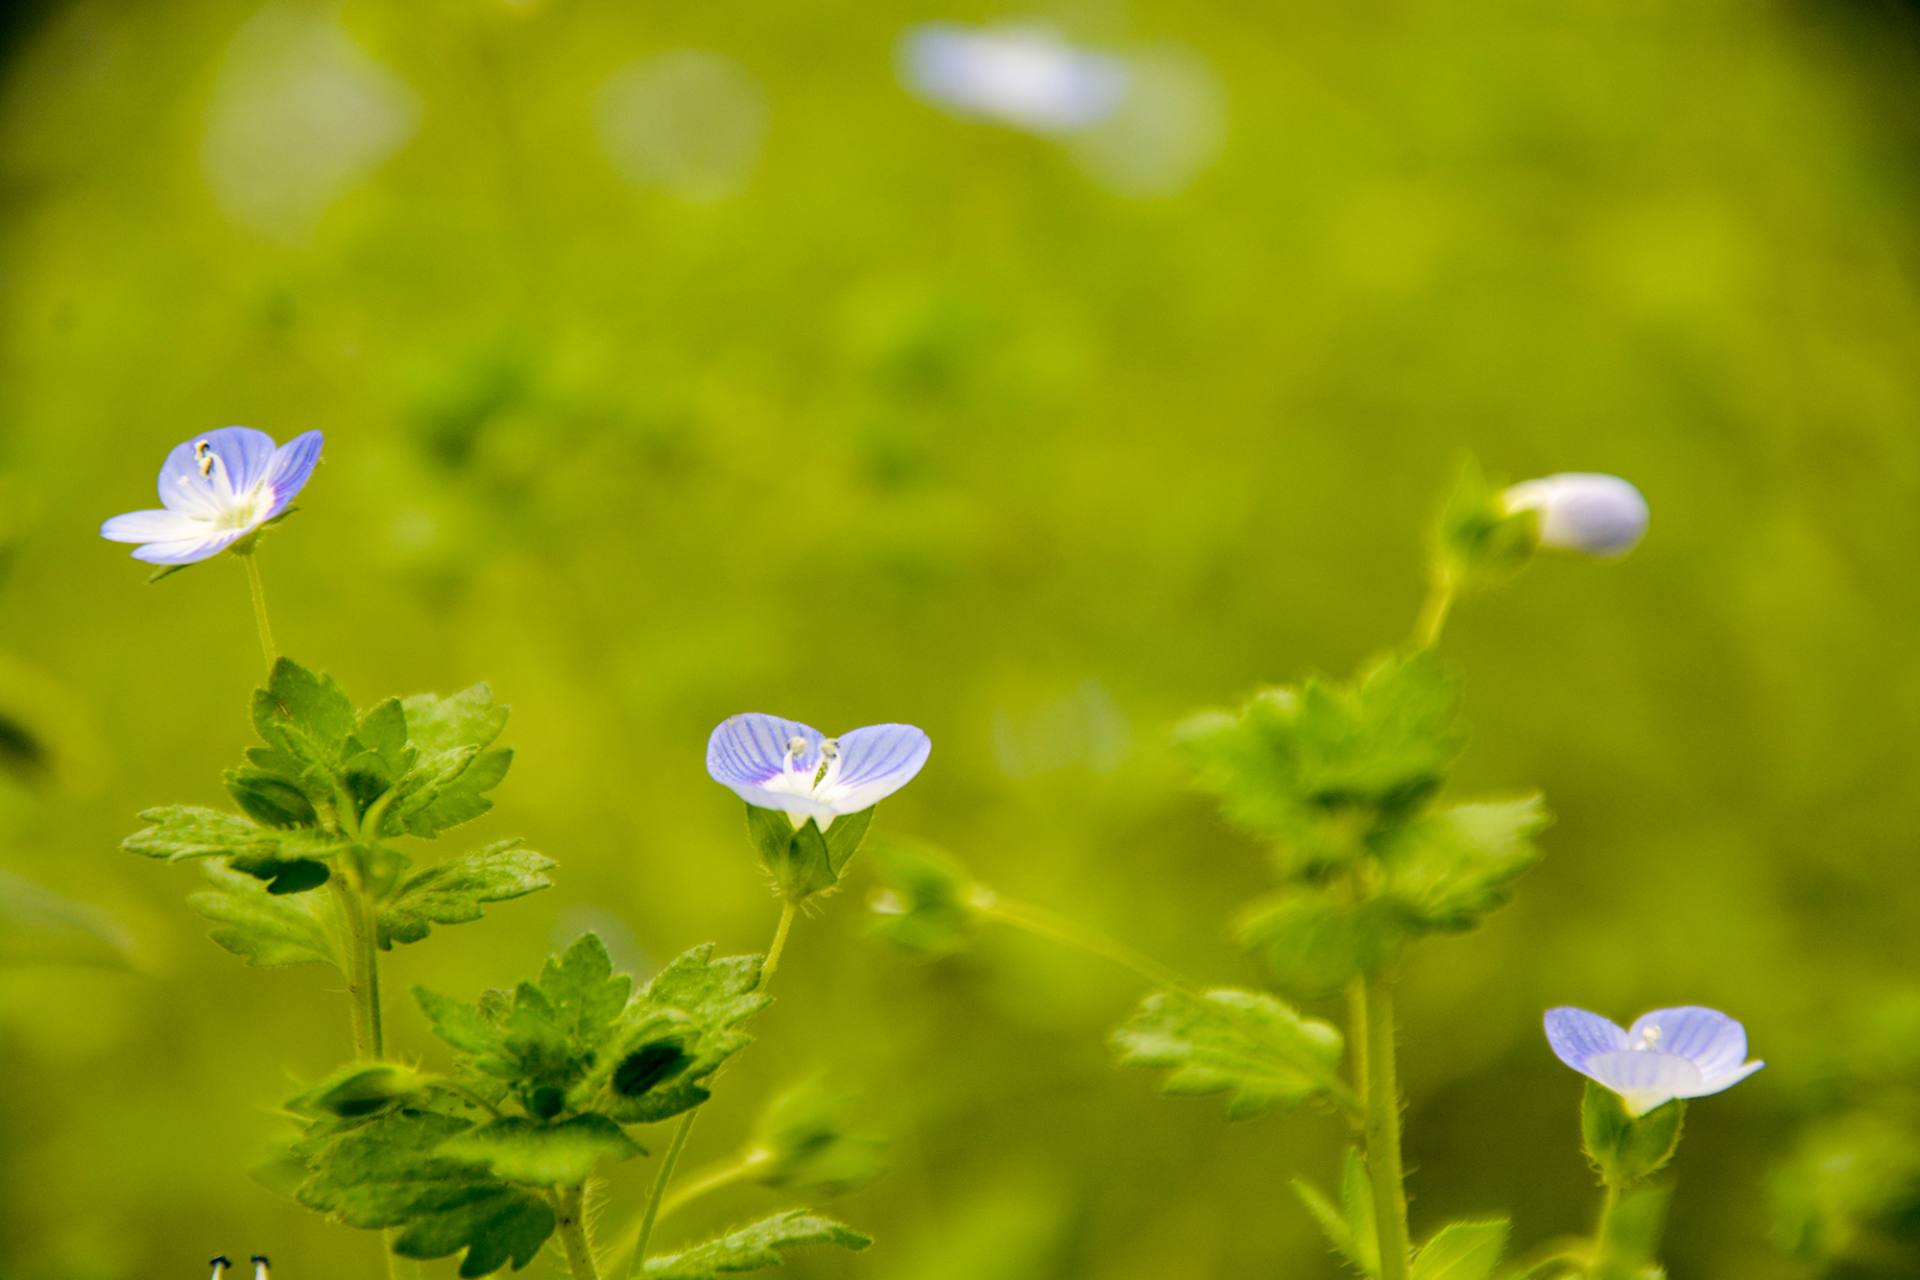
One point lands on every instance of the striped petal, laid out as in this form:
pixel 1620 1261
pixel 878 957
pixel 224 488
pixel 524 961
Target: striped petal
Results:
pixel 244 454
pixel 875 762
pixel 1577 1036
pixel 291 467
pixel 747 751
pixel 1706 1037
pixel 189 550
pixel 152 526
pixel 1646 1078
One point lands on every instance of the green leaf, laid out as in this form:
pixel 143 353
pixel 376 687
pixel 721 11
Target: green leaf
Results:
pixel 1462 1251
pixel 683 1026
pixel 1245 1044
pixel 1332 1222
pixel 454 769
pixel 1321 766
pixel 584 992
pixel 1449 868
pixel 305 716
pixel 461 1025
pixel 1351 1227
pixel 378 755
pixel 270 799
pixel 752 1248
pixel 566 1154
pixel 359 1089
pixel 1625 1148
pixel 264 929
pixel 184 831
pixel 387 1173
pixel 927 903
pixel 1315 940
pixel 454 891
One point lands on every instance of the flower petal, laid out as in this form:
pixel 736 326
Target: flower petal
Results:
pixel 291 467
pixel 875 762
pixel 747 750
pixel 189 550
pixel 1708 1038
pixel 244 457
pixel 1719 1081
pixel 1646 1078
pixel 1577 1035
pixel 152 526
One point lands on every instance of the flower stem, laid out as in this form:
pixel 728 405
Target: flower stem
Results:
pixel 1434 612
pixel 788 911
pixel 1374 1001
pixel 637 1265
pixel 717 1178
pixel 260 608
pixel 1055 928
pixel 570 1205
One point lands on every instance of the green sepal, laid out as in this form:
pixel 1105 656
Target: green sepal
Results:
pixel 754 1247
pixel 1478 543
pixel 1350 1227
pixel 264 929
pixel 803 860
pixel 360 1089
pixel 1245 1044
pixel 807 1140
pixel 1625 1148
pixel 926 903
pixel 563 1154
pixel 1462 1251
pixel 454 891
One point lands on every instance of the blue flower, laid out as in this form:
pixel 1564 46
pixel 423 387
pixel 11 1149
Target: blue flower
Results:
pixel 1688 1052
pixel 782 764
pixel 215 490
pixel 1019 75
pixel 1584 512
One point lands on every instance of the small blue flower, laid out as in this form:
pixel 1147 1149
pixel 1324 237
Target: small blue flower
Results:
pixel 1688 1052
pixel 1014 74
pixel 215 490
pixel 1584 512
pixel 782 764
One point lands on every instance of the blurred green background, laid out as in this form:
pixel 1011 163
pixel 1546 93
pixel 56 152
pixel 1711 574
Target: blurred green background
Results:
pixel 663 385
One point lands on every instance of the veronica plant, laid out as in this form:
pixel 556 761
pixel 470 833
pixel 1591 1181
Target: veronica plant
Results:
pixel 1345 782
pixel 320 861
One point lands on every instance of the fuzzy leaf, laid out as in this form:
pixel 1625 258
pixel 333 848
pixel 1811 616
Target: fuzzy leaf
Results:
pixel 454 768
pixel 304 715
pixel 454 891
pixel 683 1026
pixel 265 929
pixel 517 1149
pixel 181 831
pixel 1351 1226
pixel 359 1089
pixel 752 1248
pixel 1315 940
pixel 1245 1044
pixel 1449 868
pixel 1462 1251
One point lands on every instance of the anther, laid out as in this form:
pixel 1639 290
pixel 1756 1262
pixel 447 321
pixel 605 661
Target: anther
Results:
pixel 796 747
pixel 260 1265
pixel 220 1264
pixel 1650 1038
pixel 203 454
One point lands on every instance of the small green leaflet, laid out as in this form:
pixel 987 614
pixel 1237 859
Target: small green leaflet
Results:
pixel 181 832
pixel 360 1089
pixel 565 1154
pixel 1315 940
pixel 455 768
pixel 683 1026
pixel 1448 868
pixel 1245 1044
pixel 1462 1251
pixel 263 928
pixel 752 1248
pixel 1352 1227
pixel 454 891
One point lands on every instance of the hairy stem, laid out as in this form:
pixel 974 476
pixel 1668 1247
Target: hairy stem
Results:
pixel 1055 928
pixel 1433 613
pixel 1382 1126
pixel 260 608
pixel 362 965
pixel 570 1212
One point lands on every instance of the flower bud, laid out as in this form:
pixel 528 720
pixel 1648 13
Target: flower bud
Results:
pixel 1583 512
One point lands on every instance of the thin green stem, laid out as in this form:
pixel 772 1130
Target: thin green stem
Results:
pixel 788 911
pixel 1433 613
pixel 1056 928
pixel 717 1178
pixel 1382 1129
pixel 1605 1266
pixel 636 1266
pixel 260 608
pixel 570 1213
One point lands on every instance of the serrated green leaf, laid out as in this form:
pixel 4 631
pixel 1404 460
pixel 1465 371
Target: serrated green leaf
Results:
pixel 1245 1044
pixel 461 1025
pixel 453 768
pixel 269 798
pixel 1315 940
pixel 565 1154
pixel 1447 869
pixel 304 715
pixel 454 891
pixel 182 831
pixel 377 755
pixel 678 1032
pixel 755 1247
pixel 264 929
pixel 586 995
pixel 495 1223
pixel 1462 1251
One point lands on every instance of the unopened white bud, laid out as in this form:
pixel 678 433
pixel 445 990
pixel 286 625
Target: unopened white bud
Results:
pixel 1583 511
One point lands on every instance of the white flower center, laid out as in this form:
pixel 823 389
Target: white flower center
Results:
pixel 1649 1039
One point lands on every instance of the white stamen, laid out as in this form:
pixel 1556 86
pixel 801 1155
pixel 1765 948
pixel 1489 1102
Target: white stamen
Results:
pixel 1649 1038
pixel 220 1264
